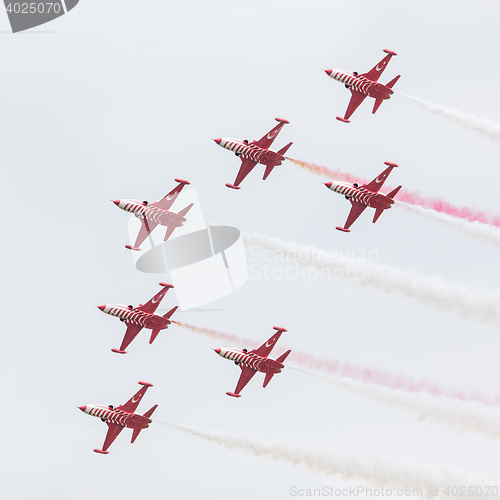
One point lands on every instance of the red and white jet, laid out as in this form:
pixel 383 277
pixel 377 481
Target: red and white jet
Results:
pixel 365 85
pixel 365 196
pixel 255 361
pixel 120 417
pixel 137 318
pixel 255 152
pixel 158 212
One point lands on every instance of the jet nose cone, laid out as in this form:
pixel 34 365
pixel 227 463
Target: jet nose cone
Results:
pixel 102 307
pixel 116 202
pixel 328 71
pixel 328 185
pixel 218 141
pixel 83 408
pixel 217 350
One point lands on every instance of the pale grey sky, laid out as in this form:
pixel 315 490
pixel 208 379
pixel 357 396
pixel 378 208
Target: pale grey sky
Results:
pixel 115 100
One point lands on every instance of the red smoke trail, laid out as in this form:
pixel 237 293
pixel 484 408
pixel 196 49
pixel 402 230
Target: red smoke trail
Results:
pixel 413 197
pixel 355 372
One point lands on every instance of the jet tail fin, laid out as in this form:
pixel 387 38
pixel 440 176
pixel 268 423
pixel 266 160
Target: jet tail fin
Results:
pixel 394 192
pixel 138 431
pixel 283 150
pixel 269 376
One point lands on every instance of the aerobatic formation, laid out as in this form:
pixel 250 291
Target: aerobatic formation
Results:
pixel 360 194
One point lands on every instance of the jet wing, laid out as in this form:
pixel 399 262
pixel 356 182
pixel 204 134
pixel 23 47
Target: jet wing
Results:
pixel 265 349
pixel 167 201
pixel 356 99
pixel 144 232
pixel 245 377
pixel 246 167
pixel 376 71
pixel 152 305
pixel 113 432
pixel 131 405
pixel 266 141
pixel 130 334
pixel 375 185
pixel 356 210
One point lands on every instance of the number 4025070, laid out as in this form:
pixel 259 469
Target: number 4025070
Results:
pixel 34 8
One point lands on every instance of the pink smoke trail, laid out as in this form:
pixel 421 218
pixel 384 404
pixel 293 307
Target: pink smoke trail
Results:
pixel 412 197
pixel 355 372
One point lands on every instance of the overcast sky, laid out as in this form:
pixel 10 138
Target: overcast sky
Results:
pixel 115 100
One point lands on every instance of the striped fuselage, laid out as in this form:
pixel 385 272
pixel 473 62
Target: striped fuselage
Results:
pixel 119 417
pixel 252 152
pixel 135 317
pixel 249 360
pixel 362 195
pixel 154 214
pixel 362 84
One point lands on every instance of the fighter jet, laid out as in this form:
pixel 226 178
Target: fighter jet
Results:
pixel 365 196
pixel 365 85
pixel 120 417
pixel 158 212
pixel 255 361
pixel 255 152
pixel 137 318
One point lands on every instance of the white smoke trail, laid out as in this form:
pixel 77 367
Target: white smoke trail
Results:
pixel 483 126
pixel 476 229
pixel 451 412
pixel 479 305
pixel 377 470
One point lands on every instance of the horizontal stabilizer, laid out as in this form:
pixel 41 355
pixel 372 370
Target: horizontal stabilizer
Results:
pixel 184 211
pixel 283 356
pixel 150 411
pixel 378 213
pixel 169 314
pixel 393 82
pixel 377 104
pixel 394 192
pixel 135 434
pixel 268 378
pixel 154 334
pixel 283 150
pixel 269 169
